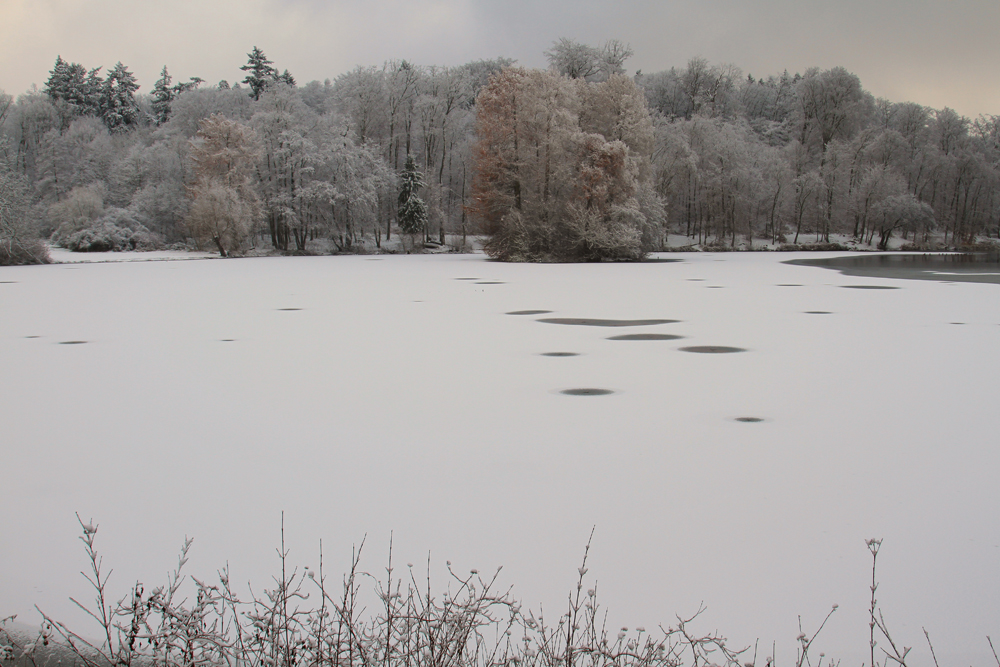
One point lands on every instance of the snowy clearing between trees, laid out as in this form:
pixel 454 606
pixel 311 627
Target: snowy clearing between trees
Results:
pixel 420 396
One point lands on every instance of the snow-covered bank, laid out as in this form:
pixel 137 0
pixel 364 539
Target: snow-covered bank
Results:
pixel 400 398
pixel 64 256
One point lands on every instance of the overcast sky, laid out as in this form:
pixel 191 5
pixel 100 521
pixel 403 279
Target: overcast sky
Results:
pixel 933 52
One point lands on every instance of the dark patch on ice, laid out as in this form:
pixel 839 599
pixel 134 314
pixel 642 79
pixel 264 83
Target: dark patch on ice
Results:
pixel 789 285
pixel 227 340
pixel 587 391
pixel 589 322
pixel 714 286
pixel 956 323
pixel 32 336
pixel 818 312
pixel 660 260
pixel 490 282
pixel 750 420
pixel 560 354
pixel 646 336
pixel 696 280
pixel 7 282
pixel 466 278
pixel 712 349
pixel 72 342
pixel 869 287
pixel 289 309
pixel 374 259
pixel 528 312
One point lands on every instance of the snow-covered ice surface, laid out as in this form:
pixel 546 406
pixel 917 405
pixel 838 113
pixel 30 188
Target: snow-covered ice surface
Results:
pixel 397 397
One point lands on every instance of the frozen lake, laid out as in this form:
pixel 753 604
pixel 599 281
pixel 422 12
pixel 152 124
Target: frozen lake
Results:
pixel 363 395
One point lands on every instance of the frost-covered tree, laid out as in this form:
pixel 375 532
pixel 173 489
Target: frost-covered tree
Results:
pixel 573 59
pixel 224 207
pixel 412 212
pixel 189 109
pixel 74 90
pixel 614 53
pixel 57 85
pixel 157 174
pixel 79 210
pixel 581 61
pixel 352 190
pixel 282 123
pixel 18 243
pixel 80 155
pixel 555 178
pixel 901 211
pixel 191 84
pixel 221 214
pixel 119 110
pixel 361 96
pixel 259 72
pixel 163 94
pixel 401 83
pixel 831 104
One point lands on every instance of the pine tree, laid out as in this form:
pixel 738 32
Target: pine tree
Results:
pixel 412 213
pixel 75 91
pixel 87 90
pixel 58 84
pixel 191 84
pixel 259 72
pixel 119 110
pixel 286 77
pixel 163 95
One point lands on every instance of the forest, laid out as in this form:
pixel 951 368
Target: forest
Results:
pixel 578 162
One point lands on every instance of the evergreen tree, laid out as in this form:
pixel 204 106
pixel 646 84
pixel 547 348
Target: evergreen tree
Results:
pixel 75 90
pixel 259 72
pixel 184 86
pixel 118 107
pixel 58 84
pixel 87 91
pixel 286 77
pixel 412 213
pixel 163 95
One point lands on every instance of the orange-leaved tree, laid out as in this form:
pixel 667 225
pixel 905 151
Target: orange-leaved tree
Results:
pixel 562 168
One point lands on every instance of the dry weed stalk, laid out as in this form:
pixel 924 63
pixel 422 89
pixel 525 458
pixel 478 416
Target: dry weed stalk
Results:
pixel 876 620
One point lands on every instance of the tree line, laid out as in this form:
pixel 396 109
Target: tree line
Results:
pixel 581 161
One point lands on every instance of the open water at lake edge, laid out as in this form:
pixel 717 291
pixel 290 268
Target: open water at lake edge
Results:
pixel 978 267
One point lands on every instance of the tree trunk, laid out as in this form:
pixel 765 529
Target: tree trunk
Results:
pixel 218 243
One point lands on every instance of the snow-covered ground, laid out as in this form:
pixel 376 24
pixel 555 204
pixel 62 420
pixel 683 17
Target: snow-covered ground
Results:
pixel 369 395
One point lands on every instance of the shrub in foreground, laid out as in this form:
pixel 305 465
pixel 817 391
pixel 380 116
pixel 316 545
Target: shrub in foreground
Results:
pixel 379 620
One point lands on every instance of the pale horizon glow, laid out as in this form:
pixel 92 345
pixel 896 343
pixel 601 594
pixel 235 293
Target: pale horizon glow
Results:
pixel 934 54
